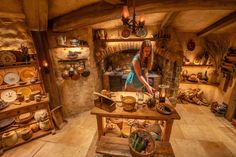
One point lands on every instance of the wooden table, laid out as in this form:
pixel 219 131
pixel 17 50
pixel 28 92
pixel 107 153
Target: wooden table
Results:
pixel 117 147
pixel 143 113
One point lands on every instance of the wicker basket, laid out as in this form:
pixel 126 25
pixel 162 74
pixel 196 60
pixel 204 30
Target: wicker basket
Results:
pixel 144 134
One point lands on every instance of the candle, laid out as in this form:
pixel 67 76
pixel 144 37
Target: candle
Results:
pixel 125 12
pixel 141 20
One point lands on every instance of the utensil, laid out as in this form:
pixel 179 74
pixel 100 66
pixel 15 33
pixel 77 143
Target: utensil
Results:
pixel 11 78
pixel 27 74
pixel 7 57
pixel 8 95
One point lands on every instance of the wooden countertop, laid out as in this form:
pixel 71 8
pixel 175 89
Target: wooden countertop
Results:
pixel 143 113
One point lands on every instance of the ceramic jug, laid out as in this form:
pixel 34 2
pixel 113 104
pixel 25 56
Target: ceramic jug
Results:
pixel 61 40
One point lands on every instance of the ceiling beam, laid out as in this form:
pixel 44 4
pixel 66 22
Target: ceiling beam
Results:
pixel 15 16
pixel 114 2
pixel 36 12
pixel 101 12
pixel 169 18
pixel 231 18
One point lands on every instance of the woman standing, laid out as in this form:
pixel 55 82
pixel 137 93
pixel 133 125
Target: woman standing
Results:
pixel 141 63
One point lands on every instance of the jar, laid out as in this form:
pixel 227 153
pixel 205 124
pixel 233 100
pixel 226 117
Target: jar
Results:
pixel 26 133
pixel 45 125
pixel 9 139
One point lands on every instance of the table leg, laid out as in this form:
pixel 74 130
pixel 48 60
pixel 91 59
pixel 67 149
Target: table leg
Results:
pixel 168 129
pixel 100 126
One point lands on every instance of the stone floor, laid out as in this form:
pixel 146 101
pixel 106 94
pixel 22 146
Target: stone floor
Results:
pixel 199 133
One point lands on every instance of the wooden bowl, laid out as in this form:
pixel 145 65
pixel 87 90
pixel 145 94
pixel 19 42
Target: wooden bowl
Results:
pixel 141 143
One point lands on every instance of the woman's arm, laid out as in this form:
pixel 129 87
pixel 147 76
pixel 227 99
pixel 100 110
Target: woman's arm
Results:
pixel 138 72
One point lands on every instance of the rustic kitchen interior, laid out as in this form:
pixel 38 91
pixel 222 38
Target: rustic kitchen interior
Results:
pixel 63 72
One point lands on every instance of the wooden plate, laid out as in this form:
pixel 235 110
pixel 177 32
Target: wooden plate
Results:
pixel 11 78
pixel 7 57
pixel 26 91
pixel 27 74
pixel 8 95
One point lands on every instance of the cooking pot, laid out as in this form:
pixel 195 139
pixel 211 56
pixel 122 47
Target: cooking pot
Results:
pixel 76 76
pixel 9 139
pixel 128 102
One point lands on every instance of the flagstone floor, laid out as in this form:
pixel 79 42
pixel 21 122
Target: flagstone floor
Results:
pixel 199 133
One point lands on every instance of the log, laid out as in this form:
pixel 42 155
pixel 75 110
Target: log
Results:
pixel 227 20
pixel 228 68
pixel 229 64
pixel 231 59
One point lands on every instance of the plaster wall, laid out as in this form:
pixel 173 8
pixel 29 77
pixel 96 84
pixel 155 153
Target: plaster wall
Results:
pixel 76 95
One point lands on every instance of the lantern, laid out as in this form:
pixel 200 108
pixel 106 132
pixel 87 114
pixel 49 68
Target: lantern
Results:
pixel 163 93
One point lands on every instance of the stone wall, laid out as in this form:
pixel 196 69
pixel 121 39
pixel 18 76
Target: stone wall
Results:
pixel 76 95
pixel 13 34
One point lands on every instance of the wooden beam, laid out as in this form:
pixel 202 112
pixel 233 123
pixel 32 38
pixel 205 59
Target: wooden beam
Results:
pixel 15 16
pixel 169 18
pixel 36 12
pixel 113 2
pixel 231 18
pixel 101 12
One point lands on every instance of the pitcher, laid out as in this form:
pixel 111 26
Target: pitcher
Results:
pixel 61 40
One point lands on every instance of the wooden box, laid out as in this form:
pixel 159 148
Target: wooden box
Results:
pixel 105 103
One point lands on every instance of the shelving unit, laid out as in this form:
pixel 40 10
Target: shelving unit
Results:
pixel 200 83
pixel 194 65
pixel 17 108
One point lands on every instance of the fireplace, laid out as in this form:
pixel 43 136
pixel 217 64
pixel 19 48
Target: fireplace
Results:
pixel 114 57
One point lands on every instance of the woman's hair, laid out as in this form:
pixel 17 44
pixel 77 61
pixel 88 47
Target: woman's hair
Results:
pixel 148 62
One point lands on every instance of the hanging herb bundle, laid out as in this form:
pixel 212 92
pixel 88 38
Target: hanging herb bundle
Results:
pixel 216 47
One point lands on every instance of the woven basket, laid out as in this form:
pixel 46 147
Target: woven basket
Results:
pixel 144 134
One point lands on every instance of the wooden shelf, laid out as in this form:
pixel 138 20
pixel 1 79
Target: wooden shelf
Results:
pixel 193 65
pixel 123 40
pixel 18 65
pixel 200 83
pixel 70 46
pixel 4 87
pixel 17 126
pixel 35 135
pixel 13 110
pixel 71 60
